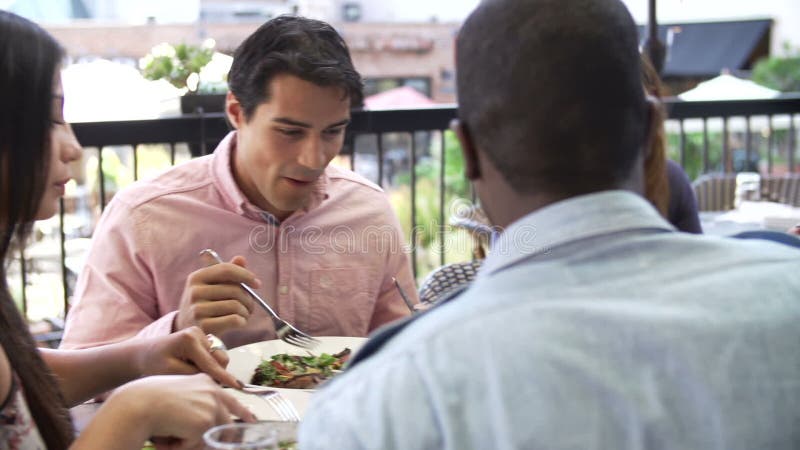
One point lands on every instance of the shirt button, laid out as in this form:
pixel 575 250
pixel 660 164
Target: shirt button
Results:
pixel 283 289
pixel 325 281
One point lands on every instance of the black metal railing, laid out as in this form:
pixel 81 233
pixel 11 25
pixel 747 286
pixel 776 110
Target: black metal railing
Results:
pixel 786 106
pixel 202 132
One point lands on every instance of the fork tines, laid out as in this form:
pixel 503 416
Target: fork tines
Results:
pixel 296 337
pixel 283 407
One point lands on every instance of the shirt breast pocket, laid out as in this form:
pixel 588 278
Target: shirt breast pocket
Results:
pixel 342 300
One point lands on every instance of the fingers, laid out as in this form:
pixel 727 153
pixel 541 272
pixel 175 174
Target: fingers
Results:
pixel 185 407
pixel 236 408
pixel 208 364
pixel 201 356
pixel 221 357
pixel 221 324
pixel 200 293
pixel 214 316
pixel 213 292
pixel 224 273
pixel 223 416
pixel 239 261
pixel 219 308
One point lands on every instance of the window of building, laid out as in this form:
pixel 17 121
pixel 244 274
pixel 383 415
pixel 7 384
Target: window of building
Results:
pixel 375 85
pixel 351 12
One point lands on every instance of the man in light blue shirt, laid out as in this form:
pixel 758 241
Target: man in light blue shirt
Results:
pixel 592 324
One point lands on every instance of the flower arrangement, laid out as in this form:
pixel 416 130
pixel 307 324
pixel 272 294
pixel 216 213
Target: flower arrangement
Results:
pixel 180 65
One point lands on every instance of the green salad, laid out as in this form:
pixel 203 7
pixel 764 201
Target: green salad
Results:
pixel 298 372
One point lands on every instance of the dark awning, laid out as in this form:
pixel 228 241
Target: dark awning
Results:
pixel 702 50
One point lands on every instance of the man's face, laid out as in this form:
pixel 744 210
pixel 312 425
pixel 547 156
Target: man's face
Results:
pixel 288 142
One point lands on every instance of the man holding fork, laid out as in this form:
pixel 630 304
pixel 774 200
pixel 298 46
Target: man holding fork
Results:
pixel 320 243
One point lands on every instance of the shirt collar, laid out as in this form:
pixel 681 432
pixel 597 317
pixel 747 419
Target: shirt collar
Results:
pixel 223 177
pixel 571 220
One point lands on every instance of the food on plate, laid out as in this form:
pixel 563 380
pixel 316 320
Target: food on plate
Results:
pixel 298 372
pixel 287 445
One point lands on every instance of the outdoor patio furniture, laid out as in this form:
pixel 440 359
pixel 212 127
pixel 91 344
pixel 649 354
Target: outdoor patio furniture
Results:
pixel 715 191
pixel 474 220
pixel 781 188
pixel 447 279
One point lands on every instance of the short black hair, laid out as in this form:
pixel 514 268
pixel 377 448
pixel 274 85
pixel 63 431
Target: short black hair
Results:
pixel 306 48
pixel 551 91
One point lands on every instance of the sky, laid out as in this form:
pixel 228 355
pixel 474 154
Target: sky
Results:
pixel 423 10
pixel 786 13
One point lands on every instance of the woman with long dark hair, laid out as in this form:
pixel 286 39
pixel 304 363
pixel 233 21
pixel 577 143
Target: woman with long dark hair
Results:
pixel 37 386
pixel 666 185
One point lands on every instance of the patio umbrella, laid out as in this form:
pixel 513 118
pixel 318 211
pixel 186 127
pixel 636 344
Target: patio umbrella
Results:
pixel 728 87
pixel 400 97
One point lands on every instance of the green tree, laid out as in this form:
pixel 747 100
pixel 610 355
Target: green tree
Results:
pixel 781 73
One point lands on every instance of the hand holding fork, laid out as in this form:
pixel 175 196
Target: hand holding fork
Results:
pixel 285 331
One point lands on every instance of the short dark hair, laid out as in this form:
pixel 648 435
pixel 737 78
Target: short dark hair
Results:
pixel 306 48
pixel 551 91
pixel 29 58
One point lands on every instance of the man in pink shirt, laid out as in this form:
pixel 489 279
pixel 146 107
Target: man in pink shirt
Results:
pixel 321 244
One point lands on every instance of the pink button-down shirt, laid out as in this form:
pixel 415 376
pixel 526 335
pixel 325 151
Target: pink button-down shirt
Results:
pixel 327 268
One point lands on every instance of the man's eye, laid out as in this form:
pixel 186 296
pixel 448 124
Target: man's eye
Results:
pixel 290 132
pixel 334 131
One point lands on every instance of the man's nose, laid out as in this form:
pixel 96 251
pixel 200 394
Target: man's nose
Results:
pixel 312 155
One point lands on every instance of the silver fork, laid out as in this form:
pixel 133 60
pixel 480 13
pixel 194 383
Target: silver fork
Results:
pixel 286 331
pixel 285 409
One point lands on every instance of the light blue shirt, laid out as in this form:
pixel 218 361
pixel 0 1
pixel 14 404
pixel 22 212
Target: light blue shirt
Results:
pixel 592 325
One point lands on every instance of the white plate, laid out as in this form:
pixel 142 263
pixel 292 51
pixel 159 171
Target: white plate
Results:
pixel 245 359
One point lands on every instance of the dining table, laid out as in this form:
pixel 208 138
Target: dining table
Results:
pixel 750 216
pixel 243 361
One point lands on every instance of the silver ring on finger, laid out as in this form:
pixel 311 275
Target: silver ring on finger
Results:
pixel 216 343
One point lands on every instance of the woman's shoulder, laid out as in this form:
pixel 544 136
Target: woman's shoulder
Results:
pixel 16 421
pixel 679 183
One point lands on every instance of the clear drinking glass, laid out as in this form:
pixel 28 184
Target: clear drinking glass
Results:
pixel 748 187
pixel 241 436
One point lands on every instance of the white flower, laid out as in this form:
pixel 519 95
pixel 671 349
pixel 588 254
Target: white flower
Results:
pixel 192 81
pixel 146 61
pixel 163 49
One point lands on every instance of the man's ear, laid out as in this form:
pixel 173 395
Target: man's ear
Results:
pixel 468 149
pixel 652 124
pixel 233 110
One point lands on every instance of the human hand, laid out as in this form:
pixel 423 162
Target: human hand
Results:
pixel 213 299
pixel 175 410
pixel 795 230
pixel 184 352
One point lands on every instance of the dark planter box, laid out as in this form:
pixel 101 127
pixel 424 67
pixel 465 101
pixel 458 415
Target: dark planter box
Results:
pixel 195 103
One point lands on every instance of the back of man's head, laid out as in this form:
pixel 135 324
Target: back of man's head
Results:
pixel 551 91
pixel 306 48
